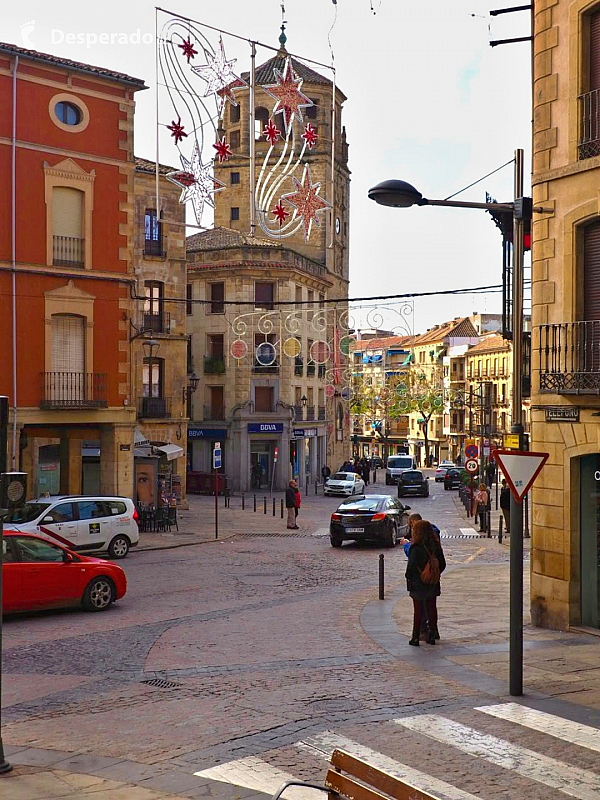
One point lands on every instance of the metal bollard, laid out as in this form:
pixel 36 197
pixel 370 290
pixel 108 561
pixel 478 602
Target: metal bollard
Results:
pixel 273 506
pixel 316 487
pixel 243 502
pixel 282 508
pixel 381 576
pixel 255 502
pixel 306 488
pixel 265 503
pixel 488 524
pixel 500 523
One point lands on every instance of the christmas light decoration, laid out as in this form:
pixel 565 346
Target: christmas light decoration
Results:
pixel 187 47
pixel 271 132
pixel 310 136
pixel 280 212
pixel 197 181
pixel 177 131
pixel 223 150
pixel 286 91
pixel 306 200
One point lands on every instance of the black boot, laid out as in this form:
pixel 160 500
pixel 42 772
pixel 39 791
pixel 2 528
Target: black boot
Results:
pixel 430 637
pixel 436 634
pixel 415 639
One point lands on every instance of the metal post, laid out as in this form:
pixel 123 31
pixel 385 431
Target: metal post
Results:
pixel 500 521
pixel 516 509
pixel 281 508
pixel 265 503
pixel 381 576
pixel 255 502
pixel 243 502
pixel 273 506
pixel 216 503
pixel 496 486
pixel 526 510
pixel 4 765
pixel 306 488
pixel 316 487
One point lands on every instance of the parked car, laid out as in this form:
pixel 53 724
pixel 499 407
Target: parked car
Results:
pixel 413 482
pixel 38 574
pixel 452 479
pixel 376 517
pixel 443 467
pixel 344 483
pixel 396 466
pixel 92 524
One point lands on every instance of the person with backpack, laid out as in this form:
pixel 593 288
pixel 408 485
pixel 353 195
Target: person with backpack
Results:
pixel 426 563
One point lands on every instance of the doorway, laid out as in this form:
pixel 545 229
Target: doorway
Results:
pixel 260 464
pixel 590 540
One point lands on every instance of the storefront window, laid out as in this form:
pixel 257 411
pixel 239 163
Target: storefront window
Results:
pixel 590 541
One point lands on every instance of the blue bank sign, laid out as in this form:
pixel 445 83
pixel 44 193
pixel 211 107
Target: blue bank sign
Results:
pixel 265 427
pixel 207 433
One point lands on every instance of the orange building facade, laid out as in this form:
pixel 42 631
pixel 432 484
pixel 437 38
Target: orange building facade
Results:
pixel 67 283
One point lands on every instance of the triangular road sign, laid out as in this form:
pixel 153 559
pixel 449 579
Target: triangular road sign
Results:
pixel 521 468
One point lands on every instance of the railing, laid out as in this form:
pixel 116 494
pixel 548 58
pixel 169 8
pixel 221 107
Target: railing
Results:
pixel 158 323
pixel 154 247
pixel 214 365
pixel 74 390
pixel 569 355
pixel 321 413
pixel 269 369
pixel 68 251
pixel 589 124
pixel 299 412
pixel 310 370
pixel 214 412
pixel 310 414
pixel 154 407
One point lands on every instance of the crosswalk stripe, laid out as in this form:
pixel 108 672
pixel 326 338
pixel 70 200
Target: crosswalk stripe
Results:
pixel 254 773
pixel 470 532
pixel 327 741
pixel 564 729
pixel 575 782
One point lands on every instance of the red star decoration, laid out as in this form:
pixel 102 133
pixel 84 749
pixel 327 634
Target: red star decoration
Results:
pixel 281 213
pixel 223 150
pixel 310 136
pixel 185 179
pixel 271 132
pixel 288 95
pixel 177 131
pixel 307 201
pixel 226 92
pixel 188 49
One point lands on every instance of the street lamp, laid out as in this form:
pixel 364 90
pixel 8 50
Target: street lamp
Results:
pixel 399 194
pixel 188 391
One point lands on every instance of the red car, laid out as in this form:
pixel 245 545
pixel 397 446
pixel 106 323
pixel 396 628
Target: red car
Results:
pixel 39 574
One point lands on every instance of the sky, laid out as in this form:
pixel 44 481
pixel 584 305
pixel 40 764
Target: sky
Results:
pixel 429 102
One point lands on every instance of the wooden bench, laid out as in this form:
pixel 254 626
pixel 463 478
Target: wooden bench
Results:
pixel 350 778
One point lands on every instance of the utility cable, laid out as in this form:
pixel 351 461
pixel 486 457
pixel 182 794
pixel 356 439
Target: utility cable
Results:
pixel 460 191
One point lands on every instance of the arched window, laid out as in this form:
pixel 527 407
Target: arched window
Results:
pixel 261 118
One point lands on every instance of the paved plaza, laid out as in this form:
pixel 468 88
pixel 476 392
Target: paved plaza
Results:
pixel 234 664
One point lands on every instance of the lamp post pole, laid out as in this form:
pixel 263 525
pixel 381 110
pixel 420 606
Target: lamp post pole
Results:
pixel 4 765
pixel 516 509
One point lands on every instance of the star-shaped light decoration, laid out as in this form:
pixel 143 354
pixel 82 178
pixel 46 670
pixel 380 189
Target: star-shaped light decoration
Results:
pixel 197 181
pixel 307 201
pixel 188 49
pixel 280 213
pixel 177 131
pixel 227 92
pixel 310 136
pixel 271 132
pixel 286 91
pixel 223 150
pixel 219 76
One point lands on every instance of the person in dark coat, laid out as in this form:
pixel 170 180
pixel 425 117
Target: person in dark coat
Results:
pixel 290 504
pixel 505 504
pixel 424 543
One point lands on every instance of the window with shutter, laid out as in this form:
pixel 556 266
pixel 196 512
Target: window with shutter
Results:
pixel 67 226
pixel 589 100
pixel 66 382
pixel 264 295
pixel 591 271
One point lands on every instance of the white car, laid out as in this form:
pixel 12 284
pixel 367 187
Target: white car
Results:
pixel 442 469
pixel 85 524
pixel 344 483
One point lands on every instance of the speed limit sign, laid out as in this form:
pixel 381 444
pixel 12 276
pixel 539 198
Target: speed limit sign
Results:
pixel 471 466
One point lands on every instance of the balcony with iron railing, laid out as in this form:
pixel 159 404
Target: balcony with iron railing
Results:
pixel 589 124
pixel 154 247
pixel 299 413
pixel 154 407
pixel 214 365
pixel 321 413
pixel 68 251
pixel 569 357
pixel 310 369
pixel 214 413
pixel 75 390
pixel 158 323
pixel 265 369
pixel 310 413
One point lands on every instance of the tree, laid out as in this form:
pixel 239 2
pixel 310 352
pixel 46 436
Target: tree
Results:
pixel 421 391
pixel 381 403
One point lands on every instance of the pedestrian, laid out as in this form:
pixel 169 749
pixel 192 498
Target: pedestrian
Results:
pixel 490 472
pixel 326 473
pixel 505 504
pixel 365 471
pixel 482 505
pixel 426 563
pixel 290 504
pixel 297 503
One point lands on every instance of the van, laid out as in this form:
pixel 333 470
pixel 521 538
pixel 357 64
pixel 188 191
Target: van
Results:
pixel 85 524
pixel 396 465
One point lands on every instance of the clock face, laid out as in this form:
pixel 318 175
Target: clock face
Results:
pixel 338 225
pixel 15 491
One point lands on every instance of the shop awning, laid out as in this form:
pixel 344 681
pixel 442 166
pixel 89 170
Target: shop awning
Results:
pixel 139 438
pixel 172 451
pixel 407 360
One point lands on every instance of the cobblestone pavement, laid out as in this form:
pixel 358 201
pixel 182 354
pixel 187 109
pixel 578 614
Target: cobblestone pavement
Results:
pixel 235 664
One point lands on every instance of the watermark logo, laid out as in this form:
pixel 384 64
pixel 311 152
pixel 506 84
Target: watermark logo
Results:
pixel 91 39
pixel 27 31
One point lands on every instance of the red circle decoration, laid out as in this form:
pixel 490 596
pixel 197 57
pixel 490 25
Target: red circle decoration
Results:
pixel 239 348
pixel 329 390
pixel 319 352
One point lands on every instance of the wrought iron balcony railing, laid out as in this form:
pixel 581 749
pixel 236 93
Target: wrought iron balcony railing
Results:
pixel 154 247
pixel 310 413
pixel 154 407
pixel 589 124
pixel 321 413
pixel 77 390
pixel 158 323
pixel 267 369
pixel 68 251
pixel 569 354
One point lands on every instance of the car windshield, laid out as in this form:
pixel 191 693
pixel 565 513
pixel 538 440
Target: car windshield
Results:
pixel 367 504
pixel 27 513
pixel 343 476
pixel 411 476
pixel 400 462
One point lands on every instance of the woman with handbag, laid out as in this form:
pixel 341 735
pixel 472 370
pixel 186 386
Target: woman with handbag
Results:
pixel 426 563
pixel 482 506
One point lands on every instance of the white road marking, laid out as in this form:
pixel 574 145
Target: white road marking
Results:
pixel 324 743
pixel 564 729
pixel 469 532
pixel 254 773
pixel 321 532
pixel 575 782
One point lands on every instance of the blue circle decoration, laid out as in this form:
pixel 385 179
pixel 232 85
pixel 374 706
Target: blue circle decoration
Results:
pixel 266 354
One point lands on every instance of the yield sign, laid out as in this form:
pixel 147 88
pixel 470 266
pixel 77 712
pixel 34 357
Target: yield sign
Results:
pixel 521 468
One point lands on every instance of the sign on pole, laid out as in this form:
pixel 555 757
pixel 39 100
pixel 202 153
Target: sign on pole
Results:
pixel 471 448
pixel 520 468
pixel 217 456
pixel 471 465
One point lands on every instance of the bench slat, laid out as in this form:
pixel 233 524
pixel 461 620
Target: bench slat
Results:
pixel 350 788
pixel 377 778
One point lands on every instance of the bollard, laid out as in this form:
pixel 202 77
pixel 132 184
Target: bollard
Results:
pixel 500 521
pixel 316 487
pixel 381 576
pixel 306 488
pixel 255 502
pixel 265 503
pixel 243 502
pixel 282 508
pixel 488 524
pixel 273 506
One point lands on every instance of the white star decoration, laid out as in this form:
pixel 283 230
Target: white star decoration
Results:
pixel 197 181
pixel 218 74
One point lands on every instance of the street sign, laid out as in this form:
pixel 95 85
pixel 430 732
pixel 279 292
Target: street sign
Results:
pixel 471 449
pixel 217 457
pixel 520 469
pixel 472 465
pixel 511 441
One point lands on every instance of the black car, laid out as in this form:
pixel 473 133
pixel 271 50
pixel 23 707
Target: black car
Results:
pixel 375 517
pixel 413 482
pixel 452 479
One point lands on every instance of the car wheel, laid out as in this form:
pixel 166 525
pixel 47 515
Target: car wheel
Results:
pixel 99 594
pixel 393 536
pixel 446 487
pixel 119 547
pixel 336 541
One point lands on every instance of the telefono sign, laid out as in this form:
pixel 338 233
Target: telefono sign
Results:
pixel 265 427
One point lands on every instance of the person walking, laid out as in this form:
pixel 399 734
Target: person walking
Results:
pixel 482 504
pixel 426 563
pixel 297 503
pixel 326 473
pixel 490 472
pixel 290 504
pixel 505 504
pixel 365 471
